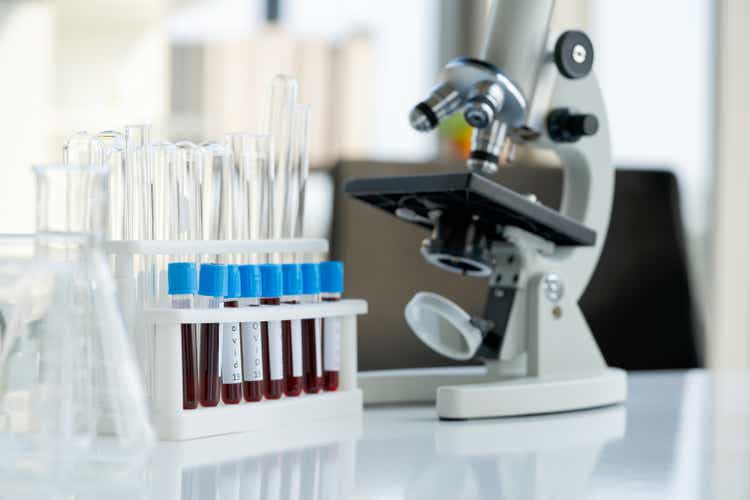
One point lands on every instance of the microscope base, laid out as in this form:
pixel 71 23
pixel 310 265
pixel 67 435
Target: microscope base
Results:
pixel 531 395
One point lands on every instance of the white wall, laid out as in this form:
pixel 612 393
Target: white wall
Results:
pixel 25 87
pixel 404 37
pixel 655 63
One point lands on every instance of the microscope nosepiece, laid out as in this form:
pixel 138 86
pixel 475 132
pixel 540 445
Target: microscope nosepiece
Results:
pixel 485 101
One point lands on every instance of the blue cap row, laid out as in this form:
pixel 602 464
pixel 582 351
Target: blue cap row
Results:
pixel 249 280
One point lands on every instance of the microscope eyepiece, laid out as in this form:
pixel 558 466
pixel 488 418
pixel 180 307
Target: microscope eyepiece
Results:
pixel 443 101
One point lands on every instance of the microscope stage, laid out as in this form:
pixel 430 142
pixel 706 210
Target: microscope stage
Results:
pixel 414 197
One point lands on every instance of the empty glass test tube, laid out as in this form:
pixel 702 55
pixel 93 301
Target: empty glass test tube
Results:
pixel 273 360
pixel 252 344
pixel 114 157
pixel 182 289
pixel 331 286
pixel 231 349
pixel 212 288
pixel 292 331
pixel 312 348
pixel 301 169
pixel 280 126
pixel 251 159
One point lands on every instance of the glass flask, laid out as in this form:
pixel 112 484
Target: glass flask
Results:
pixel 78 412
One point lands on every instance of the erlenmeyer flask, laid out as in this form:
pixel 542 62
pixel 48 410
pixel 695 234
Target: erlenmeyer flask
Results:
pixel 87 416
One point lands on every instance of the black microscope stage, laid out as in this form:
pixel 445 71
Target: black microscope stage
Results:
pixel 470 195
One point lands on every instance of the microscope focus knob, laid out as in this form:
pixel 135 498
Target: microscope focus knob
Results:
pixel 574 54
pixel 564 126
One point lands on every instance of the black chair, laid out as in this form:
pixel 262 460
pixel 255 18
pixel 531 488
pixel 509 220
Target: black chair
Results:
pixel 639 303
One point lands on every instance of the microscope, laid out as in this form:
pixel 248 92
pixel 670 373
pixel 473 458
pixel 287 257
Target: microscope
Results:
pixel 530 88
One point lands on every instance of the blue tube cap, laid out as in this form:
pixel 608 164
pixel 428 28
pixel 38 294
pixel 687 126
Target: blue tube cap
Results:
pixel 310 279
pixel 182 278
pixel 250 281
pixel 271 278
pixel 292 284
pixel 233 282
pixel 332 276
pixel 213 280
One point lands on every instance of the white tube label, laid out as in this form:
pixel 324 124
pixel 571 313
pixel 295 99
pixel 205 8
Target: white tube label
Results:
pixel 252 355
pixel 275 358
pixel 296 347
pixel 231 354
pixel 318 350
pixel 331 344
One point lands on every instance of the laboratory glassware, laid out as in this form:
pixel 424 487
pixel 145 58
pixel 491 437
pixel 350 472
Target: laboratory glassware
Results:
pixel 292 330
pixel 114 157
pixel 280 126
pixel 188 165
pixel 301 169
pixel 252 346
pixel 251 154
pixel 311 331
pixel 273 360
pixel 138 202
pixel 331 286
pixel 231 350
pixel 212 289
pixel 84 149
pixel 182 289
pixel 216 186
pixel 86 413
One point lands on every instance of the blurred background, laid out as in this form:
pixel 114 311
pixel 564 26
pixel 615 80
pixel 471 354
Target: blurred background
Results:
pixel 672 74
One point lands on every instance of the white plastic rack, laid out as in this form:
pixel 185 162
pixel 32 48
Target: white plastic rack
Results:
pixel 156 331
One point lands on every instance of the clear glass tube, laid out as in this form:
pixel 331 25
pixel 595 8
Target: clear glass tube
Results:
pixel 188 171
pixel 302 163
pixel 114 157
pixel 216 187
pixel 83 149
pixel 138 203
pixel 251 157
pixel 280 126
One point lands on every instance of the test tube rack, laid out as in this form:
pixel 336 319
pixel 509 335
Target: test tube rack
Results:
pixel 156 333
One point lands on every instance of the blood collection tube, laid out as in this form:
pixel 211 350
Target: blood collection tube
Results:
pixel 271 278
pixel 292 330
pixel 231 350
pixel 331 286
pixel 212 288
pixel 252 346
pixel 182 289
pixel 312 348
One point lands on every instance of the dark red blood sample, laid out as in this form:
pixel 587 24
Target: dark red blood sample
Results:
pixel 253 390
pixel 309 358
pixel 231 393
pixel 189 368
pixel 272 388
pixel 330 378
pixel 209 369
pixel 293 385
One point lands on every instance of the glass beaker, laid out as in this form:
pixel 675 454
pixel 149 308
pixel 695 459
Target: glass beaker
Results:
pixel 84 414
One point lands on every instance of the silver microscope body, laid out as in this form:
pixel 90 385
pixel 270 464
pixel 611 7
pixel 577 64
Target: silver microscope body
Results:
pixel 540 354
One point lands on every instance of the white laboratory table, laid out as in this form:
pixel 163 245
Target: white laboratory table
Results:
pixel 681 435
